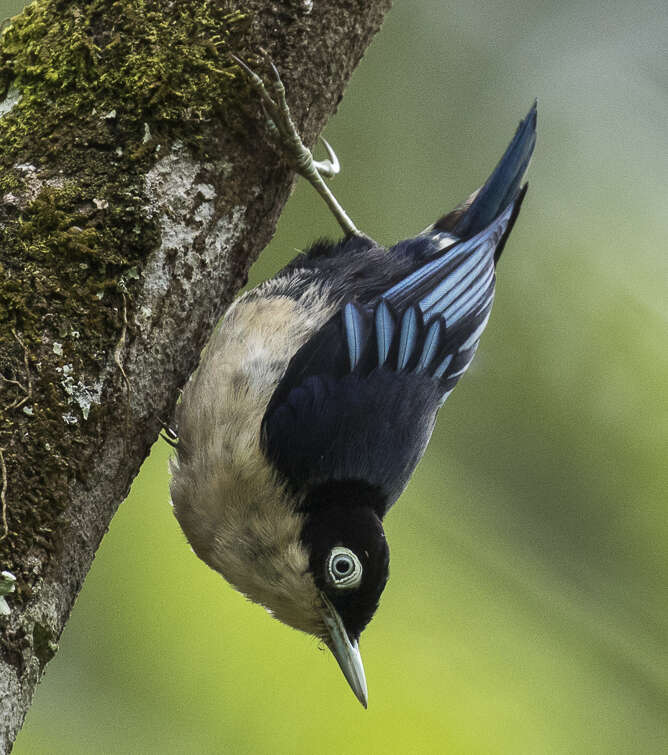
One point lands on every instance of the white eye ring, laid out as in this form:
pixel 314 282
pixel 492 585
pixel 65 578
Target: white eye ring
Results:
pixel 344 569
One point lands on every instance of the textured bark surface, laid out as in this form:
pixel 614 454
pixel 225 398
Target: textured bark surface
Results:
pixel 136 188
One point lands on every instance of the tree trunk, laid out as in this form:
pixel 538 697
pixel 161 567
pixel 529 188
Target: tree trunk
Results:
pixel 136 188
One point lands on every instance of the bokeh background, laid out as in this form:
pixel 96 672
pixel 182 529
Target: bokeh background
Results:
pixel 527 610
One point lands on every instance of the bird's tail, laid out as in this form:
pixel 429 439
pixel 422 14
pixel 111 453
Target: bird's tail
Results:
pixel 500 189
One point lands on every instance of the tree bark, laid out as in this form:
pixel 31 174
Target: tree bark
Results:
pixel 136 188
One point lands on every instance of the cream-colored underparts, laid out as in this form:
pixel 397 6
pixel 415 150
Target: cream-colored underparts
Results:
pixel 230 504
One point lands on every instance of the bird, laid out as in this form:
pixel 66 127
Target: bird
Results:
pixel 316 397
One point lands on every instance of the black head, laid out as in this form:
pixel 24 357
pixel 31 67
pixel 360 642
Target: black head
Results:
pixel 349 555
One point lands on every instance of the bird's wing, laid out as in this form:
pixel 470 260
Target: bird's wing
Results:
pixel 359 399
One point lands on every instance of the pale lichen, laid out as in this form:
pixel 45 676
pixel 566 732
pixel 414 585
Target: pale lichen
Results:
pixel 184 206
pixel 78 392
pixel 12 98
pixel 7 587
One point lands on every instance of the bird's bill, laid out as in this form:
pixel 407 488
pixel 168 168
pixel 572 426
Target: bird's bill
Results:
pixel 346 652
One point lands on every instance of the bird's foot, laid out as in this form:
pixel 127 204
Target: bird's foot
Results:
pixel 168 433
pixel 282 127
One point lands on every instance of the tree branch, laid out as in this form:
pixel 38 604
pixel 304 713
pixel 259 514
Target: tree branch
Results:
pixel 136 188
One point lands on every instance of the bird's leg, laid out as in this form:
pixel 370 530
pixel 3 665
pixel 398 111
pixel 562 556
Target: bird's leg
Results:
pixel 170 435
pixel 284 130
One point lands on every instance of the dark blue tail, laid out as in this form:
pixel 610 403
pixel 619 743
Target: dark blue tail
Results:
pixel 500 189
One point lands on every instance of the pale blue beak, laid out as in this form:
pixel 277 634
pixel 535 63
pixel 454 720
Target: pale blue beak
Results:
pixel 346 652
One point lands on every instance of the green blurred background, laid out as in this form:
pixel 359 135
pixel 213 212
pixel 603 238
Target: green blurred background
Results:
pixel 527 611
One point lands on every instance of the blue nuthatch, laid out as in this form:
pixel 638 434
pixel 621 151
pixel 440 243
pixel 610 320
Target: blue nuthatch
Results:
pixel 317 395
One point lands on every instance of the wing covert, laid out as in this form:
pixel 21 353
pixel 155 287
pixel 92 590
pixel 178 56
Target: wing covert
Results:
pixel 359 399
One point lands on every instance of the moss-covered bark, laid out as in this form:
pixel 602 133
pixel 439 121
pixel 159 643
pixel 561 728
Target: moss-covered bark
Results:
pixel 98 89
pixel 126 200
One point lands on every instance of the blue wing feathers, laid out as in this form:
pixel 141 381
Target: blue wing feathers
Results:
pixel 422 321
pixel 353 319
pixel 384 330
pixel 358 400
pixel 445 287
pixel 430 347
pixel 446 305
pixel 452 291
pixel 443 366
pixel 408 337
pixel 411 286
pixel 469 298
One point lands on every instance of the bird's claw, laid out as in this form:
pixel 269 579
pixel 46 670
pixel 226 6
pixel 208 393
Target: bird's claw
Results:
pixel 168 434
pixel 330 167
pixel 282 127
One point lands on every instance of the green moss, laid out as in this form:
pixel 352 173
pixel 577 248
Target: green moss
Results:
pixel 160 62
pixel 101 85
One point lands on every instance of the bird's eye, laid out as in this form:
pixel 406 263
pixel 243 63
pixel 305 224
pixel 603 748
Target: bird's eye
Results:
pixel 344 569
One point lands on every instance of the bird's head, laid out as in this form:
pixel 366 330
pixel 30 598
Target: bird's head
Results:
pixel 317 560
pixel 349 563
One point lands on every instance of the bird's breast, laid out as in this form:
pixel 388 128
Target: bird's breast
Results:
pixel 227 497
